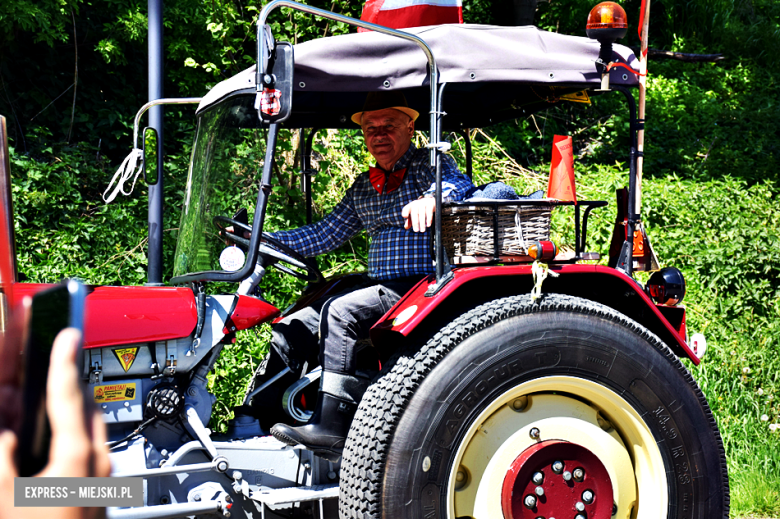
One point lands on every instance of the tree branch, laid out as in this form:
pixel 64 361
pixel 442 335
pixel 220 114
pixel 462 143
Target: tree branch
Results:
pixel 75 75
pixel 684 56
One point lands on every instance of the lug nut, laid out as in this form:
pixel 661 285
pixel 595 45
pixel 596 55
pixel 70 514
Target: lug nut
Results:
pixel 539 491
pixel 579 516
pixel 579 506
pixel 534 433
pixel 530 501
pixel 537 478
pixel 587 496
pixel 567 476
pixel 578 474
pixel 557 467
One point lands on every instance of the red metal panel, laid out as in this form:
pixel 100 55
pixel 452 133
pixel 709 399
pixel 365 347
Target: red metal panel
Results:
pixel 7 253
pixel 250 311
pixel 126 315
pixel 403 318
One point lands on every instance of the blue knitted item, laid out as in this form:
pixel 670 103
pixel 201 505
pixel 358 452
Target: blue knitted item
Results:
pixel 536 195
pixel 499 191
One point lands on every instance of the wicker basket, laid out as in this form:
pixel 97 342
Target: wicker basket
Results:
pixel 468 230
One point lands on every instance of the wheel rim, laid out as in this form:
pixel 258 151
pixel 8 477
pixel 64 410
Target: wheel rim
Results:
pixel 551 478
pixel 547 415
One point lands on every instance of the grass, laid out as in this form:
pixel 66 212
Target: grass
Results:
pixel 753 495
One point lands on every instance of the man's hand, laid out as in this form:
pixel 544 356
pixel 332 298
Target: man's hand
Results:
pixel 419 214
pixel 78 443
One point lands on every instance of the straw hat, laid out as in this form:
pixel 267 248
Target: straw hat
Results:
pixel 386 99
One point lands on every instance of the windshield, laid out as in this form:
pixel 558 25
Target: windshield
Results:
pixel 226 165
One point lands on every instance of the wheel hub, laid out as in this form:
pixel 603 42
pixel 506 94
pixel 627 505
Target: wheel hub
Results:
pixel 557 479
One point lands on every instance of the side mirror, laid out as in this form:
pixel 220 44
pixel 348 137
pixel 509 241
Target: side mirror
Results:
pixel 151 175
pixel 276 87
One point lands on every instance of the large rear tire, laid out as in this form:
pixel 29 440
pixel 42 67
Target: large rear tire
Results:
pixel 460 427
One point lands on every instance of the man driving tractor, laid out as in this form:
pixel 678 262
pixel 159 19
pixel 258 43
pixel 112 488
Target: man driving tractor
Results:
pixel 394 202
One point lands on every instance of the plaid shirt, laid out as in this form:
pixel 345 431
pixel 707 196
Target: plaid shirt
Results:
pixel 394 251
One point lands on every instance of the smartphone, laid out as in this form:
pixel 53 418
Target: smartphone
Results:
pixel 52 310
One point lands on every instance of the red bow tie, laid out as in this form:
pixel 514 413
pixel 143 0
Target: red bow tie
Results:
pixel 385 182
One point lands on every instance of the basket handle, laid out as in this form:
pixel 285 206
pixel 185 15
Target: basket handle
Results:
pixel 519 229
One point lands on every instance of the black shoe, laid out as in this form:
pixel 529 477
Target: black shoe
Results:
pixel 327 429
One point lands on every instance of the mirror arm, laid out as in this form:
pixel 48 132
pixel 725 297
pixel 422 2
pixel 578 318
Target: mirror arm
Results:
pixel 147 106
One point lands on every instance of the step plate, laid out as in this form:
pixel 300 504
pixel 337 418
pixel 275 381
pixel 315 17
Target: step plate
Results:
pixel 286 496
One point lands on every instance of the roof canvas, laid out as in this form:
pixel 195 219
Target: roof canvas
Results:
pixel 466 55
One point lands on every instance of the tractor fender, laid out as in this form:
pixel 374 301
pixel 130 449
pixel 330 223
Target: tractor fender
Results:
pixel 420 312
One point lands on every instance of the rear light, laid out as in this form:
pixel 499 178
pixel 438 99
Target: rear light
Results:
pixel 543 250
pixel 667 286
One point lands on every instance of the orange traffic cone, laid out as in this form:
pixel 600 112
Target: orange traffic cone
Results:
pixel 561 184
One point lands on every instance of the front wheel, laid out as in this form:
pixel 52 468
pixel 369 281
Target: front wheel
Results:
pixel 562 408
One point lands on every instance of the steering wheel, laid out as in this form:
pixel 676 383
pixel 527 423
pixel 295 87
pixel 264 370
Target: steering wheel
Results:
pixel 279 251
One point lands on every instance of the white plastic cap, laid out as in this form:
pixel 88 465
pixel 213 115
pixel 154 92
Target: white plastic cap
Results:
pixel 698 345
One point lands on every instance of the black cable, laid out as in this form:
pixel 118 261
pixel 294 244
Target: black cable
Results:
pixel 133 434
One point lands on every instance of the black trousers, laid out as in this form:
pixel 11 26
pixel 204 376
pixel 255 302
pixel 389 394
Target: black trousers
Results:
pixel 327 331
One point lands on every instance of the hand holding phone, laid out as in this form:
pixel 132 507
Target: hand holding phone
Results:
pixel 78 443
pixel 78 440
pixel 77 446
pixel 52 311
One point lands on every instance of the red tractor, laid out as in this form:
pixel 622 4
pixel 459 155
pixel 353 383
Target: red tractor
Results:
pixel 491 401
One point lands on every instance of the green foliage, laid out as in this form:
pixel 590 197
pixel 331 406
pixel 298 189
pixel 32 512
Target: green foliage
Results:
pixel 48 20
pixel 706 121
pixel 233 371
pixel 64 229
pixel 742 29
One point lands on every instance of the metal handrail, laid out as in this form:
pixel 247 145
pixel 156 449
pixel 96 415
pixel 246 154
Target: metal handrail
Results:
pixel 435 112
pixel 432 68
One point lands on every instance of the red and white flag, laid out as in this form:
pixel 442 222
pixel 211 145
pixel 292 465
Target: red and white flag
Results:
pixel 400 14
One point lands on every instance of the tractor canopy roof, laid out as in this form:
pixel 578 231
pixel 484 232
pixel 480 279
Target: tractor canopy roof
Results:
pixel 492 73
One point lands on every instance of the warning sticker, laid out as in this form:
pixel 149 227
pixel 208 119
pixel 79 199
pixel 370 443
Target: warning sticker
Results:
pixel 577 97
pixel 114 392
pixel 126 357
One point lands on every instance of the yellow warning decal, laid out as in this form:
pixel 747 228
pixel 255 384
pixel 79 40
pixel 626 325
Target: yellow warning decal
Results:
pixel 126 357
pixel 577 97
pixel 114 392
